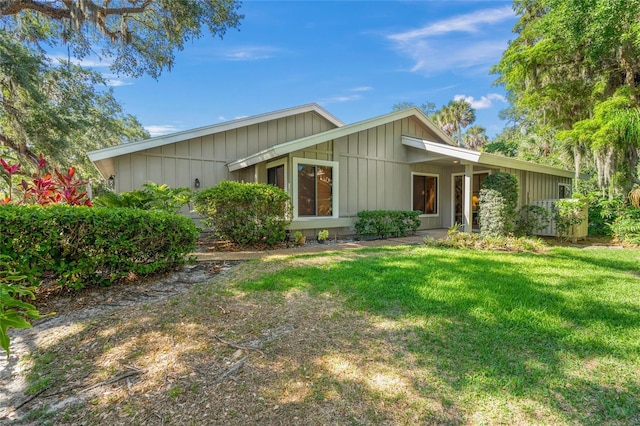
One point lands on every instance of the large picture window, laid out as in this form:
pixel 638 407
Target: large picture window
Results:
pixel 315 188
pixel 425 193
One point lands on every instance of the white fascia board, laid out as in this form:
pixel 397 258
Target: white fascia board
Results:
pixel 442 149
pixel 128 148
pixel 512 163
pixel 302 143
pixel 484 158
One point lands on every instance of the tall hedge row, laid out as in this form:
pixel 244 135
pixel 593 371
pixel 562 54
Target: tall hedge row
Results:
pixel 80 246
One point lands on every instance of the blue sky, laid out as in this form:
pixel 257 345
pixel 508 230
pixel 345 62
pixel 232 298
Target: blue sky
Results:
pixel 355 58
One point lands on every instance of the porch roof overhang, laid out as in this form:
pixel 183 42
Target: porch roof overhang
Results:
pixel 438 150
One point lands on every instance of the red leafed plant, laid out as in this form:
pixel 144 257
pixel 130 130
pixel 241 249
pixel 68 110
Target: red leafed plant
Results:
pixel 45 188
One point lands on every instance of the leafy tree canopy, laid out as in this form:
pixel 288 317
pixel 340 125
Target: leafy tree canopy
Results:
pixel 574 68
pixel 63 110
pixel 138 36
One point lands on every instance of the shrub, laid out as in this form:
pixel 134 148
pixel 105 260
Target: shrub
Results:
pixel 567 214
pixel 245 213
pixel 79 246
pixel 498 204
pixel 602 213
pixel 386 223
pixel 14 311
pixel 531 219
pixel 45 188
pixel 626 227
pixel 151 197
pixel 323 235
pixel 466 240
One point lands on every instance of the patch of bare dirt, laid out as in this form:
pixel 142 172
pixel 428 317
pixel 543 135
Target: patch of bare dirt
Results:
pixel 217 354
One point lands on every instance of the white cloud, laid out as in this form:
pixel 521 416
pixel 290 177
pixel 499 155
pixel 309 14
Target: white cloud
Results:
pixel 251 53
pixel 484 102
pixel 469 23
pixel 362 89
pixel 86 62
pixel 114 82
pixel 339 99
pixel 460 42
pixel 161 129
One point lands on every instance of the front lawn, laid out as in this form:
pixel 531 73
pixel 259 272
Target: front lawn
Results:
pixel 404 335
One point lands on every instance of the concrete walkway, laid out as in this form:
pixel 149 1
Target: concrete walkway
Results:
pixel 317 248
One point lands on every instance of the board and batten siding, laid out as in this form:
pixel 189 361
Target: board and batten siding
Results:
pixel 537 186
pixel 205 158
pixel 374 172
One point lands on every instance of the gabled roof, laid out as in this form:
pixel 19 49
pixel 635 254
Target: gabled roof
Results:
pixel 302 143
pixel 484 158
pixel 142 145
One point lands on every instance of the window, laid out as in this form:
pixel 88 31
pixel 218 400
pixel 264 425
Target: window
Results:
pixel 315 188
pixel 275 176
pixel 425 193
pixel 564 190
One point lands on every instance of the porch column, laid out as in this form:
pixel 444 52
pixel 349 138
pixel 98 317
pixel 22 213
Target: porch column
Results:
pixel 467 205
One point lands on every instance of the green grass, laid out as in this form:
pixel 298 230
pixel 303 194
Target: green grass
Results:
pixel 535 338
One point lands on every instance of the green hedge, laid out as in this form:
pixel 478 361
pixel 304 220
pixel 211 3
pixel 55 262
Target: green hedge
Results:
pixel 80 246
pixel 386 223
pixel 245 213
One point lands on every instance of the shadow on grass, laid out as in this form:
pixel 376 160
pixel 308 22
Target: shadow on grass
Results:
pixel 395 335
pixel 558 329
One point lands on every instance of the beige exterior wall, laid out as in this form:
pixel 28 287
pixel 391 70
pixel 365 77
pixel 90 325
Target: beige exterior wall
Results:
pixel 205 158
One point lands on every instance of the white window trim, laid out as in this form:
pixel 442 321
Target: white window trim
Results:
pixel 334 187
pixel 438 207
pixel 280 162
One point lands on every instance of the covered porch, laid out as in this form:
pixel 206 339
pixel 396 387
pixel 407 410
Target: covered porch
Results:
pixel 467 170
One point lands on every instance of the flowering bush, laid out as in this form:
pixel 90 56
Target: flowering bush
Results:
pixel 45 188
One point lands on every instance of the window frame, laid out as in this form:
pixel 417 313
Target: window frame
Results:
pixel 437 176
pixel 276 163
pixel 334 187
pixel 567 190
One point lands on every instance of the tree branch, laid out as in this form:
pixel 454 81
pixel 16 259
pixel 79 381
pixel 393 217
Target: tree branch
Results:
pixel 19 148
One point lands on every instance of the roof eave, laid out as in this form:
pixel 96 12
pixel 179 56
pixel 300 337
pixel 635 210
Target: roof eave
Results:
pixel 128 148
pixel 332 134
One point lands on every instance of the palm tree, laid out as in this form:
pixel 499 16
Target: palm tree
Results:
pixel 463 115
pixel 454 117
pixel 476 137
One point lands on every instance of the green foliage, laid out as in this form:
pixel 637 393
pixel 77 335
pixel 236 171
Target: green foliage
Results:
pixel 245 213
pixel 323 235
pixel 14 311
pixel 56 108
pixel 567 214
pixel 466 240
pixel 602 213
pixel 626 227
pixel 151 197
pixel 45 188
pixel 531 219
pixel 299 238
pixel 136 36
pixel 573 66
pixel 386 223
pixel 498 204
pixel 80 246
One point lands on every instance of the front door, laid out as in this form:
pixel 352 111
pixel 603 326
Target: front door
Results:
pixel 458 197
